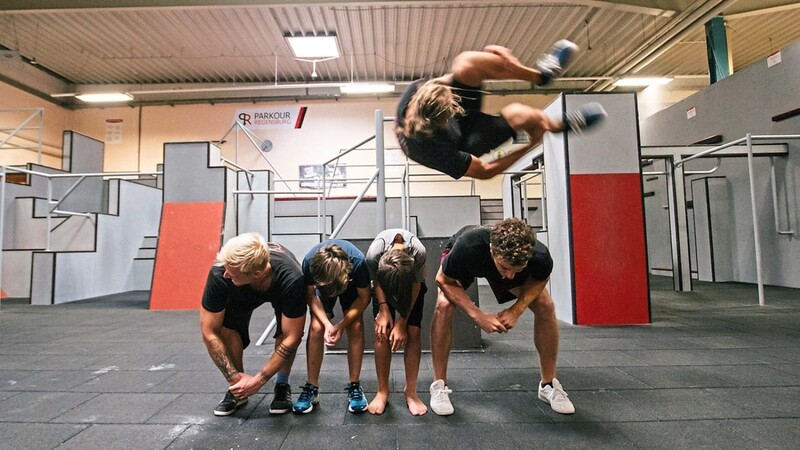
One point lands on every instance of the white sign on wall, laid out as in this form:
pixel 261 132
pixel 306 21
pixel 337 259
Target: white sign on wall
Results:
pixel 271 118
pixel 113 131
pixel 774 59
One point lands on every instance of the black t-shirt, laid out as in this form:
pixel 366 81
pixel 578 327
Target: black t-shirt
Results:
pixel 287 293
pixel 441 151
pixel 470 257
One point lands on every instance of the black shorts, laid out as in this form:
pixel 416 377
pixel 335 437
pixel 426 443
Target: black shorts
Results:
pixel 501 289
pixel 415 316
pixel 346 300
pixel 240 322
pixel 480 132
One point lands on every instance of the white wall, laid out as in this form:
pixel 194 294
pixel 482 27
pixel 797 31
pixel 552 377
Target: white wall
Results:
pixel 746 102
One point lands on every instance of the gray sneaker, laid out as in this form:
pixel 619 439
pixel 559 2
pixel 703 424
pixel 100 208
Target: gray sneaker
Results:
pixel 228 405
pixel 556 397
pixel 440 399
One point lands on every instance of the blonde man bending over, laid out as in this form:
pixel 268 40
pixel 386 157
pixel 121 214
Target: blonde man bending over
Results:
pixel 248 273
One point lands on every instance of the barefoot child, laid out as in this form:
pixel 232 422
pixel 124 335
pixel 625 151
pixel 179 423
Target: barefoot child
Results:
pixel 396 260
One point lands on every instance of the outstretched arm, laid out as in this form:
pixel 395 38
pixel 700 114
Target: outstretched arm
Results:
pixel 456 295
pixel 483 170
pixel 211 327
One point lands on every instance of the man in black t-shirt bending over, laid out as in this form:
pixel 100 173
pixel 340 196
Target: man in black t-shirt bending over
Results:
pixel 517 267
pixel 250 272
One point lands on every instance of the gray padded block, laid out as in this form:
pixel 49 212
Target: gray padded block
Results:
pixel 192 174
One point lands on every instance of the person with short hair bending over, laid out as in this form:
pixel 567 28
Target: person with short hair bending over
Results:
pixel 517 267
pixel 335 269
pixel 248 273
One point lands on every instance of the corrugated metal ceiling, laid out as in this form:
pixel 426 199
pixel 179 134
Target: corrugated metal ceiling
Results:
pixel 379 41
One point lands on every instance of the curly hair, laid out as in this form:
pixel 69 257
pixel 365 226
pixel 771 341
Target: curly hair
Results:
pixel 247 252
pixel 513 240
pixel 396 274
pixel 429 109
pixel 330 267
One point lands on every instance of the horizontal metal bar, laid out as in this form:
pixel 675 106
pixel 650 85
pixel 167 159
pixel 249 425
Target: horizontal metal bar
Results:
pixel 228 161
pixel 73 175
pixel 711 150
pixel 236 191
pixel 21 109
pixel 72 213
pixel 348 150
pixel 775 136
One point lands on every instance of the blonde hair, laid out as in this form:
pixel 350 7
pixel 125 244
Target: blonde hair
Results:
pixel 247 252
pixel 429 109
pixel 330 267
pixel 513 240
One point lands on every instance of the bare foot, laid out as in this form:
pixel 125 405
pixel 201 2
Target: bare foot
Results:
pixel 378 403
pixel 415 405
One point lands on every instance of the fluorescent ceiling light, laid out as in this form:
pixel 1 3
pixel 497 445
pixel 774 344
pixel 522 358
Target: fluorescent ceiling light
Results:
pixel 314 47
pixel 641 81
pixel 366 88
pixel 107 97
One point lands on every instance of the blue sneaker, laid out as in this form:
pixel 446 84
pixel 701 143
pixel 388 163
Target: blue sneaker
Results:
pixel 553 63
pixel 358 403
pixel 309 396
pixel 585 117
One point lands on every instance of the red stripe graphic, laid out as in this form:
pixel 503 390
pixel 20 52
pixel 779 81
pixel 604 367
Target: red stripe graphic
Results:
pixel 300 116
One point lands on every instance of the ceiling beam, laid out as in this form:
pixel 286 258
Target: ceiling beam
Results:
pixel 656 8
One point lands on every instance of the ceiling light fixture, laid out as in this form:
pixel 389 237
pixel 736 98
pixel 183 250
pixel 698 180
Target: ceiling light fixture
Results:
pixel 313 47
pixel 642 81
pixel 366 88
pixel 106 97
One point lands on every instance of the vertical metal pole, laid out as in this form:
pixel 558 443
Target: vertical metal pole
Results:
pixel 236 144
pixel 380 165
pixel 403 211
pixel 2 221
pixel 676 193
pixel 41 131
pixel 544 200
pixel 524 188
pixel 755 218
pixel 408 197
pixel 49 215
pixel 270 206
pixel 324 205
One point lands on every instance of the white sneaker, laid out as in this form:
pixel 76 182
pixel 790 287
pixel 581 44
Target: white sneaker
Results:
pixel 440 400
pixel 555 396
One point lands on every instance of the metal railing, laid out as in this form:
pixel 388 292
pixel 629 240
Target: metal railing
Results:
pixel 748 140
pixel 52 205
pixel 11 133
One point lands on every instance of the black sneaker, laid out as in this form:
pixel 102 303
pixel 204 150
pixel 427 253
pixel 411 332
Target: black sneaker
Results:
pixel 282 403
pixel 228 405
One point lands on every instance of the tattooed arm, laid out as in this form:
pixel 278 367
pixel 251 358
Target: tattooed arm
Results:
pixel 211 327
pixel 285 348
